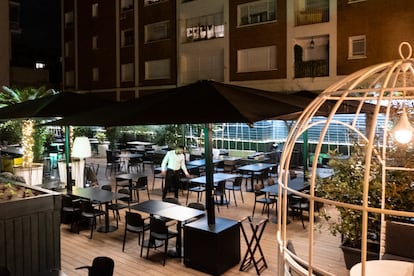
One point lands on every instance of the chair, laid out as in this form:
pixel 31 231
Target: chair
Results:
pixel 101 266
pixel 141 185
pixel 197 205
pixel 134 223
pixel 262 198
pixel 160 231
pixel 234 186
pixel 88 212
pixel 297 205
pixel 197 188
pixel 91 175
pixel 71 208
pixel 220 191
pixel 171 200
pixel 135 163
pixel 113 163
pixel 114 206
pixel 156 172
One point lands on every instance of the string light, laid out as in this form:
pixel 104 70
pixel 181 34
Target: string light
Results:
pixel 28 142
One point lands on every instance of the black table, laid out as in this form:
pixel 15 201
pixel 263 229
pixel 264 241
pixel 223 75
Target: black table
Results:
pixel 297 184
pixel 172 211
pixel 102 196
pixel 253 168
pixel 217 177
pixel 202 162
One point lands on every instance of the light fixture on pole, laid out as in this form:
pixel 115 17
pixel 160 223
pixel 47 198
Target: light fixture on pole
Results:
pixel 312 44
pixel 81 149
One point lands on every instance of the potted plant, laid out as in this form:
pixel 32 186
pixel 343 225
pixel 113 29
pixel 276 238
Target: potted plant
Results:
pixel 102 146
pixel 346 185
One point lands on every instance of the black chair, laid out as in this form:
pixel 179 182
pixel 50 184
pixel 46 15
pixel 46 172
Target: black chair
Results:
pixel 135 163
pixel 88 212
pixel 134 223
pixel 171 200
pixel 297 205
pixel 156 172
pixel 195 188
pixel 141 185
pixel 262 198
pixel 197 205
pixel 115 206
pixel 101 266
pixel 160 231
pixel 70 210
pixel 234 186
pixel 220 194
pixel 113 162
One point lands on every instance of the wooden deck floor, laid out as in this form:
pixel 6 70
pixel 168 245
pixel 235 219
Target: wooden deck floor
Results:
pixel 78 250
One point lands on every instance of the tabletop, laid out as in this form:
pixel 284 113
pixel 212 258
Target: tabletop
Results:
pixel 95 194
pixel 152 206
pixel 297 184
pixel 180 213
pixel 202 162
pixel 216 178
pixel 130 155
pixel 129 176
pixel 256 167
pixel 384 267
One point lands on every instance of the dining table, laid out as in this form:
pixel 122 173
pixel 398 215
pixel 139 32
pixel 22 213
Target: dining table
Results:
pixel 179 213
pixel 252 169
pixel 98 195
pixel 202 162
pixel 217 177
pixel 127 156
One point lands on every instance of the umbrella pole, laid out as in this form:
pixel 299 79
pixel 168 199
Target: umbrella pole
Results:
pixel 67 156
pixel 208 142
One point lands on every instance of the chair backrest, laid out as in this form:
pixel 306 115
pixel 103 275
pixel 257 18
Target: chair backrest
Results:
pixel 86 206
pixel 158 226
pixel 106 187
pixel 142 181
pixel 197 205
pixel 133 219
pixel 221 185
pixel 67 201
pixel 238 181
pixel 102 266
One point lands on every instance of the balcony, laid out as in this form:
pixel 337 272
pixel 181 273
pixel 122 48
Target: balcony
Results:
pixel 312 16
pixel 312 68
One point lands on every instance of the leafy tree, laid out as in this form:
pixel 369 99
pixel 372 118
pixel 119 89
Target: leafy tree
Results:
pixel 10 96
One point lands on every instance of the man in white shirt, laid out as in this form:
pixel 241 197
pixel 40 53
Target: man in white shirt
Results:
pixel 171 166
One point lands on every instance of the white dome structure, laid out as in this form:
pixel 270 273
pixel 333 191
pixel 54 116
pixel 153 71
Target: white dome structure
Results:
pixel 380 148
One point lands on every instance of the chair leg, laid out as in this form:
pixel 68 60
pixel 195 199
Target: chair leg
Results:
pixel 142 242
pixel 165 251
pixel 123 244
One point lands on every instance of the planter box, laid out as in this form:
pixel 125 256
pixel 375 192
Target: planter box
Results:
pixel 30 232
pixel 352 255
pixel 212 249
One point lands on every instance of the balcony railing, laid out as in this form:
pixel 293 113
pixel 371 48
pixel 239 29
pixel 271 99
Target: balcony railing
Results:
pixel 312 16
pixel 312 68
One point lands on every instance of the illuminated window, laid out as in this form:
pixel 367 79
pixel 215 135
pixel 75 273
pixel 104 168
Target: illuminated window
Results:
pixel 95 42
pixel 69 49
pixel 256 59
pixel 205 27
pixel 256 12
pixel 127 5
pixel 95 73
pixel 69 19
pixel 157 31
pixel 69 78
pixel 95 9
pixel 127 72
pixel 40 65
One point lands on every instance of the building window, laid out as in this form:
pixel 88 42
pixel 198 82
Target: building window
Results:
pixel 204 27
pixel 157 31
pixel 256 59
pixel 95 9
pixel 157 69
pixel 152 2
pixel 127 5
pixel 95 42
pixel 40 65
pixel 127 38
pixel 127 72
pixel 69 78
pixel 95 73
pixel 69 49
pixel 357 47
pixel 68 19
pixel 256 12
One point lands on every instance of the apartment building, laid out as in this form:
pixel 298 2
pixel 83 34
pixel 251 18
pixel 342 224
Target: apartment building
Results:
pixel 128 48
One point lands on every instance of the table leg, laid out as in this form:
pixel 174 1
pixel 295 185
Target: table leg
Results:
pixel 107 228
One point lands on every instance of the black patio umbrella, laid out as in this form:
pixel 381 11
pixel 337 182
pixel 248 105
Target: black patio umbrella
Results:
pixel 200 102
pixel 51 107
